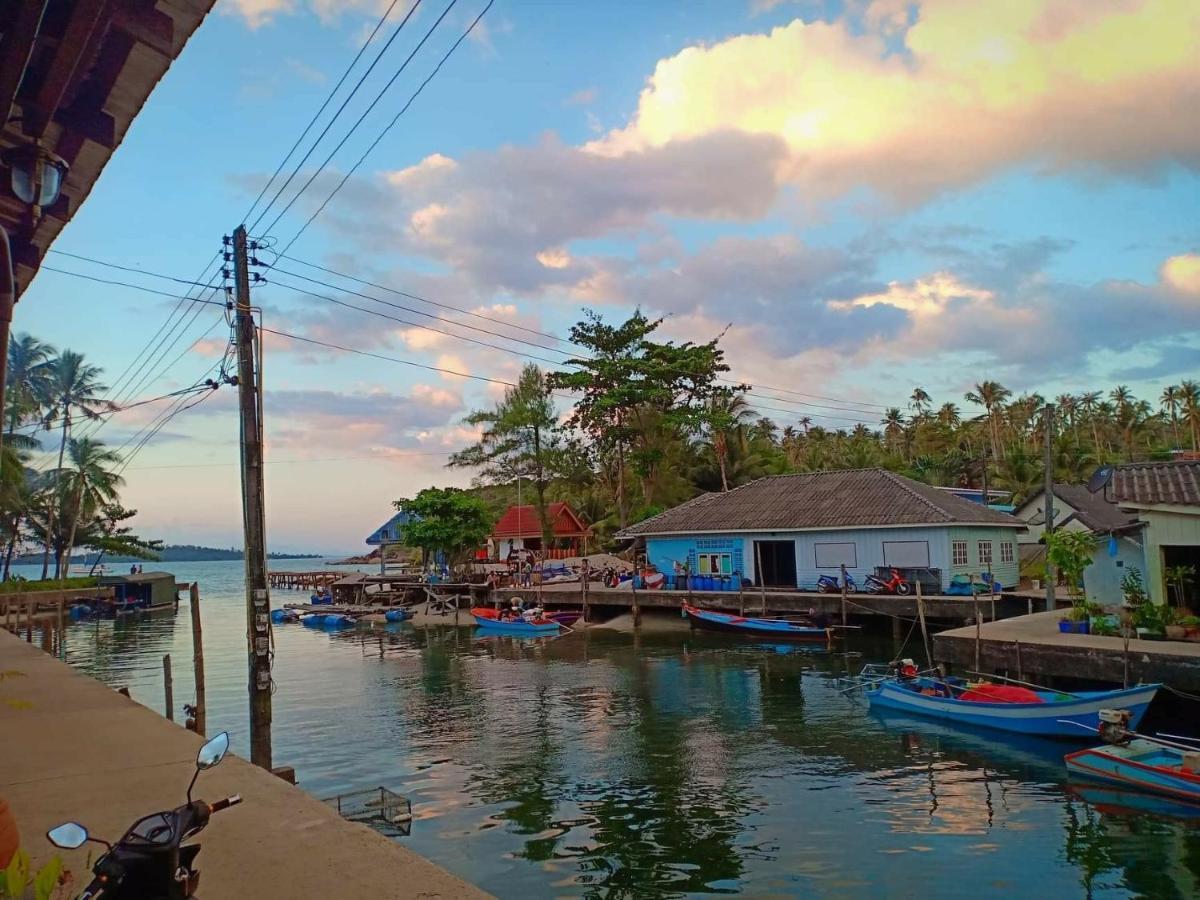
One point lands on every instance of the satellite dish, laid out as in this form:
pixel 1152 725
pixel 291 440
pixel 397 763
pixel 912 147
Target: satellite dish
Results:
pixel 1100 479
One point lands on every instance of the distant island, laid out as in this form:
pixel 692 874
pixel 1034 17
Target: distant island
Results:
pixel 174 553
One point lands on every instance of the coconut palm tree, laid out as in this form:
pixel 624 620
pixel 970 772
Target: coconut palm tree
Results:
pixel 948 416
pixel 726 414
pixel 29 374
pixel 74 388
pixel 893 427
pixel 991 395
pixel 1190 401
pixel 1171 400
pixel 89 483
pixel 918 401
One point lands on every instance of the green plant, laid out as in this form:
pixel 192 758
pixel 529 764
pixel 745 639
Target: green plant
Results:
pixel 1070 552
pixel 1189 622
pixel 1103 627
pixel 20 881
pixel 1149 616
pixel 1177 579
pixel 1133 588
pixel 1078 613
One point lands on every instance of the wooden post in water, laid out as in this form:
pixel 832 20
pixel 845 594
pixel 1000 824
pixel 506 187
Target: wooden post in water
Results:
pixel 583 584
pixel 198 658
pixel 758 574
pixel 62 628
pixel 1020 676
pixel 741 594
pixel 637 610
pixel 29 604
pixel 924 630
pixel 978 632
pixel 169 687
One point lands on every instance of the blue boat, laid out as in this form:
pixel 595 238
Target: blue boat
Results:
pixel 512 626
pixel 1143 765
pixel 774 628
pixel 1051 713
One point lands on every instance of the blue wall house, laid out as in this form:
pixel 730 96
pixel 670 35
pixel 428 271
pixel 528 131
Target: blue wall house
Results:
pixel 788 530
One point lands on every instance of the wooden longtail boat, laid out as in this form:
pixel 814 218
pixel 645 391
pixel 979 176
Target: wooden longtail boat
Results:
pixel 1144 765
pixel 1046 712
pixel 772 628
pixel 514 626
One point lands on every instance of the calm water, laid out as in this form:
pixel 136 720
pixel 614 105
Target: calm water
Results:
pixel 667 763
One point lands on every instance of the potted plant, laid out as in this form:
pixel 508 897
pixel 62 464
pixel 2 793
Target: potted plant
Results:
pixel 1080 618
pixel 1191 628
pixel 1171 627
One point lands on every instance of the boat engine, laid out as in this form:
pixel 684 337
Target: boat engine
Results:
pixel 1114 725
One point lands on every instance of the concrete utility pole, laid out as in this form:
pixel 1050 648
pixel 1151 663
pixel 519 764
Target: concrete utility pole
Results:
pixel 258 605
pixel 1048 463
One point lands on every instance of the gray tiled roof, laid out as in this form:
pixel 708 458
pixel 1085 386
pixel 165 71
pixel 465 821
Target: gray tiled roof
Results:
pixel 1176 483
pixel 1095 511
pixel 852 498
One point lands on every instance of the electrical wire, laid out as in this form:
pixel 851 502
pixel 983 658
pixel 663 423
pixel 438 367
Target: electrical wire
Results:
pixel 358 122
pixel 391 124
pixel 328 125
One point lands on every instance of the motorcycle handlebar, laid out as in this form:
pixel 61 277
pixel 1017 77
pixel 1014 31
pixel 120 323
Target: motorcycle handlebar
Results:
pixel 225 804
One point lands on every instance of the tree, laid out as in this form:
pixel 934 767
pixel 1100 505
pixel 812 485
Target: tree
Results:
pixel 30 364
pixel 1190 391
pixel 991 396
pixel 107 534
pixel 893 427
pixel 918 402
pixel 88 485
pixel 73 387
pixel 1171 399
pixel 520 440
pixel 446 520
pixel 727 412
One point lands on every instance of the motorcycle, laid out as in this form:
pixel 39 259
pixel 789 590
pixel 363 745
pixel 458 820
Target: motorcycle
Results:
pixel 150 861
pixel 895 584
pixel 829 584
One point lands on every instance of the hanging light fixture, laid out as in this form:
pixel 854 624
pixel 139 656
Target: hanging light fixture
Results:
pixel 36 174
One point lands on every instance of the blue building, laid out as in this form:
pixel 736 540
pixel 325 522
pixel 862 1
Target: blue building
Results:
pixel 788 530
pixel 391 531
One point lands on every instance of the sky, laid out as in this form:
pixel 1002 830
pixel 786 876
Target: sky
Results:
pixel 861 197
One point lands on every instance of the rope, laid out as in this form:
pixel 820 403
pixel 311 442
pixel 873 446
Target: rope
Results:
pixel 1180 693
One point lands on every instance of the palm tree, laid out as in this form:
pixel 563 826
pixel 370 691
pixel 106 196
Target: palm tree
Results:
pixel 1171 400
pixel 74 387
pixel 1067 406
pixel 1190 394
pixel 726 413
pixel 89 484
pixel 918 401
pixel 948 416
pixel 991 396
pixel 1120 396
pixel 893 426
pixel 806 423
pixel 29 375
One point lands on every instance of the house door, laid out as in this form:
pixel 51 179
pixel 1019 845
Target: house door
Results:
pixel 775 563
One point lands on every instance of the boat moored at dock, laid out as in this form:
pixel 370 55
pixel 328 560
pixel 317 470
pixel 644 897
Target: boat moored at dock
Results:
pixel 1144 765
pixel 773 628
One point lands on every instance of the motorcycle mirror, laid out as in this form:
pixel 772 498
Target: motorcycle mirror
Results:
pixel 69 836
pixel 213 752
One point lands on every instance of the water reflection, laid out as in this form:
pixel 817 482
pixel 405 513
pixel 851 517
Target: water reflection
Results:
pixel 666 763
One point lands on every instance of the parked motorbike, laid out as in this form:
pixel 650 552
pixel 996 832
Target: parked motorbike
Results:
pixel 894 584
pixel 150 861
pixel 829 584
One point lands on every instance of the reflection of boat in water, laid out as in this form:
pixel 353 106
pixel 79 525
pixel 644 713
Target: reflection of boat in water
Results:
pixel 1119 801
pixel 1044 712
pixel 776 629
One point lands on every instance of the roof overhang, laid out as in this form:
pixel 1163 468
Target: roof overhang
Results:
pixel 73 75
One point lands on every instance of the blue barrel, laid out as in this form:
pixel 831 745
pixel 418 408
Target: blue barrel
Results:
pixel 279 616
pixel 312 621
pixel 395 615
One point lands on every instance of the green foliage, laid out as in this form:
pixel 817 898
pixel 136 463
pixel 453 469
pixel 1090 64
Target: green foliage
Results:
pixel 1071 552
pixel 20 881
pixel 20 585
pixel 1133 589
pixel 449 520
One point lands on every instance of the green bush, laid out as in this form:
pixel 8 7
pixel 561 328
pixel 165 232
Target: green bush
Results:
pixel 20 586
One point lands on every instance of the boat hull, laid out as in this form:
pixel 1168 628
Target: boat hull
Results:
pixel 1142 765
pixel 525 628
pixel 1068 718
pixel 758 628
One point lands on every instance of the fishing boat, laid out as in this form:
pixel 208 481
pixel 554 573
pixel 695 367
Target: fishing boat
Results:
pixel 1148 765
pixel 1008 707
pixel 774 628
pixel 516 626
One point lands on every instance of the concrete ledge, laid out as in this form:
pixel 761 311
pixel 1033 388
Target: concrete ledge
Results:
pixel 71 748
pixel 1046 651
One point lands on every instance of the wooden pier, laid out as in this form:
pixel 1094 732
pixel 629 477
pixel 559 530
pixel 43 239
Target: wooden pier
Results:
pixel 302 581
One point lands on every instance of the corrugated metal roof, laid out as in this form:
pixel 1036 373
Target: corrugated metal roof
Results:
pixel 852 498
pixel 523 521
pixel 1173 483
pixel 1095 511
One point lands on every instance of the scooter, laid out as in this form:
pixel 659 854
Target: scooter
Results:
pixel 895 584
pixel 149 861
pixel 828 584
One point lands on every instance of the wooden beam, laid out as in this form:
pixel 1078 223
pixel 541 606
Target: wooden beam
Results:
pixel 15 51
pixel 147 25
pixel 83 28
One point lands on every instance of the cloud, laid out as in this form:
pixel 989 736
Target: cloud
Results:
pixel 583 97
pixel 367 420
pixel 257 13
pixel 1182 273
pixel 1098 86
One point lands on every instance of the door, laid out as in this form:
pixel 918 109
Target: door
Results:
pixel 775 563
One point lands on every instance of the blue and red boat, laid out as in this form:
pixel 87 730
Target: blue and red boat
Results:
pixel 1009 708
pixel 537 627
pixel 772 628
pixel 1147 765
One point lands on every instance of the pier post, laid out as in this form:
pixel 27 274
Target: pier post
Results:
pixel 924 630
pixel 978 632
pixel 637 610
pixel 845 588
pixel 758 575
pixel 1020 676
pixel 198 658
pixel 170 693
pixel 583 585
pixel 741 595
pixel 29 604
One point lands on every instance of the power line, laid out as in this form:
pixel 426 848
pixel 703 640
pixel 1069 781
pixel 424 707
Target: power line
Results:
pixel 392 123
pixel 112 265
pixel 362 117
pixel 336 115
pixel 136 287
pixel 290 462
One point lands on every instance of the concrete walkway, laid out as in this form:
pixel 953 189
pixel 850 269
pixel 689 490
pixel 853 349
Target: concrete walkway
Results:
pixel 72 749
pixel 1044 650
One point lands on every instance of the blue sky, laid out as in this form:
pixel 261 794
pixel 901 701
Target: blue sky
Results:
pixel 869 195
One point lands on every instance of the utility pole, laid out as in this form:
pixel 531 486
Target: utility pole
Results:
pixel 1048 464
pixel 253 516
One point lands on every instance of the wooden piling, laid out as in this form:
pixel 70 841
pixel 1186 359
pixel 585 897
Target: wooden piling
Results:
pixel 29 605
pixel 1020 676
pixel 758 574
pixel 583 584
pixel 170 691
pixel 198 658
pixel 924 630
pixel 978 632
pixel 637 610
pixel 741 594
pixel 62 628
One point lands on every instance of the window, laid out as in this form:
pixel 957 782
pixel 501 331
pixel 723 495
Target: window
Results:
pixel 830 556
pixel 906 554
pixel 1006 552
pixel 958 552
pixel 985 553
pixel 715 563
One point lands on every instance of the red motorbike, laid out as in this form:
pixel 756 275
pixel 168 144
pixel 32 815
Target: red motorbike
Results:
pixel 895 584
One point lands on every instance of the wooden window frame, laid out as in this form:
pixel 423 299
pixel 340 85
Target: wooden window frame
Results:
pixel 966 557
pixel 979 545
pixel 1006 552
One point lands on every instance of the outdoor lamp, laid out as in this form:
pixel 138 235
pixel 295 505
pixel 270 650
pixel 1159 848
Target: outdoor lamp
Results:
pixel 37 174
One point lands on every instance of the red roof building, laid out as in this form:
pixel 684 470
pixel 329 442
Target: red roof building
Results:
pixel 520 528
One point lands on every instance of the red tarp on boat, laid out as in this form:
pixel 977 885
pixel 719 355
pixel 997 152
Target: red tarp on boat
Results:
pixel 1001 693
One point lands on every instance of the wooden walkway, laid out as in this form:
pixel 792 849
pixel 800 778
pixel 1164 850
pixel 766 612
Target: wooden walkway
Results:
pixel 302 581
